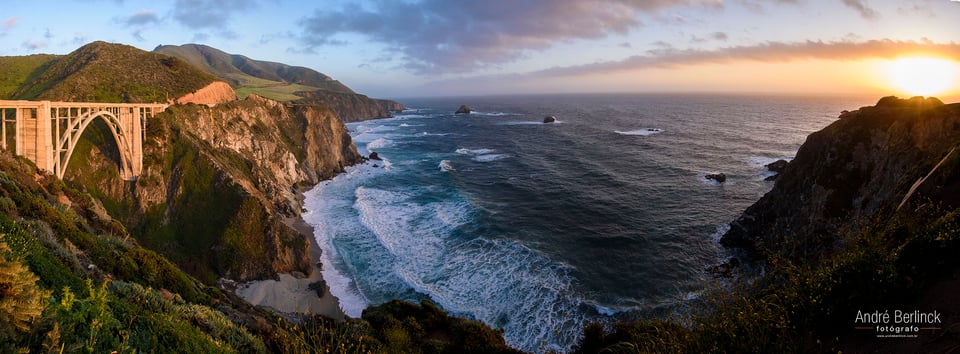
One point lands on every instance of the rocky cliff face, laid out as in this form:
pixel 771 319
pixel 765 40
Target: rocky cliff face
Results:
pixel 218 181
pixel 860 167
pixel 351 107
pixel 215 93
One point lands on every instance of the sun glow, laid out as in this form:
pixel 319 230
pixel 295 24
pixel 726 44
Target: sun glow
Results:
pixel 923 76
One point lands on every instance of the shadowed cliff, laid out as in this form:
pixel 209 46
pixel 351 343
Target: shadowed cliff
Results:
pixel 860 167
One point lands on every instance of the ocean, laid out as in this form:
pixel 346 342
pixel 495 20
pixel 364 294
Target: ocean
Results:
pixel 540 229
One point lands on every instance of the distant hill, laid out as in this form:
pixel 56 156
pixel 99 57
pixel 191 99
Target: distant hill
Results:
pixel 104 72
pixel 268 79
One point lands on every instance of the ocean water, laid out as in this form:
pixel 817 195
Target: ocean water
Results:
pixel 539 229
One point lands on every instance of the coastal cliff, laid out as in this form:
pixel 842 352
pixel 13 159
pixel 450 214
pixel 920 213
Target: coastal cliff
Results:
pixel 218 188
pixel 240 162
pixel 221 179
pixel 860 167
pixel 351 107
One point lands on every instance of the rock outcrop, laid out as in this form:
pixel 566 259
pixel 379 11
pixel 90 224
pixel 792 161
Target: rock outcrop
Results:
pixel 215 93
pixel 777 168
pixel 391 106
pixel 350 107
pixel 218 181
pixel 464 109
pixel 860 167
pixel 719 177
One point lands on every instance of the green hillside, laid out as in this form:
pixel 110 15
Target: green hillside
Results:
pixel 268 79
pixel 106 72
pixel 17 70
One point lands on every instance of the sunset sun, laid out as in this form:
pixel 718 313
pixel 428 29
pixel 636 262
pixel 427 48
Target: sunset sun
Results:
pixel 923 76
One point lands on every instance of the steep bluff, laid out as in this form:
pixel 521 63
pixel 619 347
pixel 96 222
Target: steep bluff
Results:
pixel 350 107
pixel 218 181
pixel 860 167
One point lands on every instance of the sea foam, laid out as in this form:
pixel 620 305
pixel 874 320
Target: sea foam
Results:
pixel 640 132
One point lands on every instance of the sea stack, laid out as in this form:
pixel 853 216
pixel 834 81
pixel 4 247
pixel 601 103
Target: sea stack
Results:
pixel 719 177
pixel 549 119
pixel 464 109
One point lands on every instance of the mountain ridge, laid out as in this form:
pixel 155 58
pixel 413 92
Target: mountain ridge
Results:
pixel 242 72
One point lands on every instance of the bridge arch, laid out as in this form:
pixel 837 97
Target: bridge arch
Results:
pixel 67 142
pixel 47 132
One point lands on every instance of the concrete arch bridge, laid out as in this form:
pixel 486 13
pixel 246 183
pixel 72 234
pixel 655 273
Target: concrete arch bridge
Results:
pixel 47 132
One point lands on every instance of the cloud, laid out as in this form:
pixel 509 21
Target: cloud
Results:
pixel 200 14
pixel 441 36
pixel 141 18
pixel 864 10
pixel 33 45
pixel 776 52
pixel 10 22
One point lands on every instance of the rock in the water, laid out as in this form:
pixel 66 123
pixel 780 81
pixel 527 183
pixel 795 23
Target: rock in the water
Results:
pixel 719 177
pixel 777 166
pixel 549 119
pixel 374 156
pixel 464 109
pixel 726 269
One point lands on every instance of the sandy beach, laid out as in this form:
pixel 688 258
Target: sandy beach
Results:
pixel 292 295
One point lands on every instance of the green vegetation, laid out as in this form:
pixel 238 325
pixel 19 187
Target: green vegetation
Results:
pixel 273 90
pixel 105 72
pixel 17 70
pixel 275 81
pixel 70 283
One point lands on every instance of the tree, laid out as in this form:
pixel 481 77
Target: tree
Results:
pixel 21 300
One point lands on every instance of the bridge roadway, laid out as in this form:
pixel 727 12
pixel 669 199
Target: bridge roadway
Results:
pixel 47 132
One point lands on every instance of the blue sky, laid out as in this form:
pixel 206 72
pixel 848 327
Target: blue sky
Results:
pixel 442 47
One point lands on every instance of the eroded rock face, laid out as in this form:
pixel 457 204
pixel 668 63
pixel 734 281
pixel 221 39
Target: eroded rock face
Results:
pixel 215 93
pixel 350 107
pixel 218 181
pixel 859 167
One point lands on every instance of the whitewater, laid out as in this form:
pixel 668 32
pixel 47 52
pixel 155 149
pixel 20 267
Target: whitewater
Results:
pixel 541 228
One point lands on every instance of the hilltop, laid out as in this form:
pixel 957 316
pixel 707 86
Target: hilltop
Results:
pixel 281 82
pixel 268 79
pixel 105 72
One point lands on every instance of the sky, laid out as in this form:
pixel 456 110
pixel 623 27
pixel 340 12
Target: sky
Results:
pixel 411 48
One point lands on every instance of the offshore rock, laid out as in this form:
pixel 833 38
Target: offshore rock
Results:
pixel 859 167
pixel 719 177
pixel 464 109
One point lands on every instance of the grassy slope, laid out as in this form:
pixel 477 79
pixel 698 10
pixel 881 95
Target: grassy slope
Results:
pixel 267 79
pixel 105 72
pixel 17 70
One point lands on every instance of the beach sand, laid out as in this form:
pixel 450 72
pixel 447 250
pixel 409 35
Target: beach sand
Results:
pixel 292 295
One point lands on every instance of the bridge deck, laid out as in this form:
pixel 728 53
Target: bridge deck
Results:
pixel 46 132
